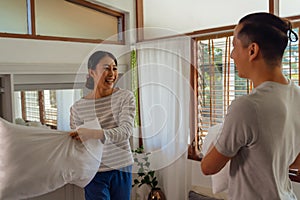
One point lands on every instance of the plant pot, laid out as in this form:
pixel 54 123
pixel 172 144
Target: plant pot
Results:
pixel 156 194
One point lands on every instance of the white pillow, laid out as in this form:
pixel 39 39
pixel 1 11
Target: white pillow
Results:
pixel 220 179
pixel 35 161
pixel 210 138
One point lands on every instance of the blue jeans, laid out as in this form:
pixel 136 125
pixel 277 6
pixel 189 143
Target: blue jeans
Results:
pixel 110 185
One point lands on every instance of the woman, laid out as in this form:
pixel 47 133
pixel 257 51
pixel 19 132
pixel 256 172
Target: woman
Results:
pixel 114 108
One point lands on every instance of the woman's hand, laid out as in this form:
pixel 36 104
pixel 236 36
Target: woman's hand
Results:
pixel 84 134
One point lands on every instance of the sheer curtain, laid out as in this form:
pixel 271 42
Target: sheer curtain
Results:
pixel 164 83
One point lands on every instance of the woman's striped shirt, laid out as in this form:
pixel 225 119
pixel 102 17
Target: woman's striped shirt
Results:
pixel 115 114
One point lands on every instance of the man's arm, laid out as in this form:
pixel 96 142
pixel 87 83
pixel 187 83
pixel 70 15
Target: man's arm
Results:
pixel 213 162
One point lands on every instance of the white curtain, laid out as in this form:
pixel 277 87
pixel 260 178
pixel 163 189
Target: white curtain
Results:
pixel 65 99
pixel 164 83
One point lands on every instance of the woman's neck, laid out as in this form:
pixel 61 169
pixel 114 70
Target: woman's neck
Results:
pixel 98 93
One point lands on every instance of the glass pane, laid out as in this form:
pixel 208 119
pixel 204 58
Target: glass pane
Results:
pixel 290 60
pixel 65 19
pixel 32 106
pixel 50 107
pixel 289 8
pixel 218 83
pixel 13 16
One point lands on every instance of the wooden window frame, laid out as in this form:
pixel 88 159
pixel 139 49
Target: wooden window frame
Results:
pixel 41 104
pixel 32 27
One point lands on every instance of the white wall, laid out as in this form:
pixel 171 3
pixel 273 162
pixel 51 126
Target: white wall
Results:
pixel 289 8
pixel 184 16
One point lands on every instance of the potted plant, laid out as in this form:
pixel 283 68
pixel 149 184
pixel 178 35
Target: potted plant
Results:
pixel 145 175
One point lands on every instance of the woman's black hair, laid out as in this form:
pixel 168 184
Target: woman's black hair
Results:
pixel 93 61
pixel 270 32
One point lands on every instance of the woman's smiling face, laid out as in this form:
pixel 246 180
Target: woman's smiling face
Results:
pixel 106 73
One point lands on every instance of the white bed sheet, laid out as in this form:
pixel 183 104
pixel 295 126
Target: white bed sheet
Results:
pixel 35 161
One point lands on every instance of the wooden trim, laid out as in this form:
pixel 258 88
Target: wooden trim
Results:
pixel 97 8
pixel 66 39
pixel 23 105
pixel 139 20
pixel 222 31
pixel 228 28
pixel 41 106
pixel 293 18
pixel 271 6
pixel 32 13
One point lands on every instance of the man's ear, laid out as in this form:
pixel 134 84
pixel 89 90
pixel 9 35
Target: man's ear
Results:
pixel 253 50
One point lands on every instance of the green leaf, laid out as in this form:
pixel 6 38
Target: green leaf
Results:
pixel 141 174
pixel 147 179
pixel 141 170
pixel 154 184
pixel 145 158
pixel 147 164
pixel 151 173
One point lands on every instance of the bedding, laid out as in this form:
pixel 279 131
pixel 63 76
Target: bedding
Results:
pixel 35 161
pixel 220 179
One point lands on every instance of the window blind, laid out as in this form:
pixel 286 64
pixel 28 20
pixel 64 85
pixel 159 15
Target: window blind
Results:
pixel 39 106
pixel 218 83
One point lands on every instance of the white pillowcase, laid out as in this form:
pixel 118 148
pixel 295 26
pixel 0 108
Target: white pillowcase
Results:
pixel 220 179
pixel 35 161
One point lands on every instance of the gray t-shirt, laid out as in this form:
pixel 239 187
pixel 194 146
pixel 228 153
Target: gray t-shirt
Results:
pixel 261 134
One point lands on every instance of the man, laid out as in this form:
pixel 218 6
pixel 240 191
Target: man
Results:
pixel 261 131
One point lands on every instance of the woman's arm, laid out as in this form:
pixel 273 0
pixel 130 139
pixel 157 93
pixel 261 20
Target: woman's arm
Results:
pixel 117 134
pixel 296 163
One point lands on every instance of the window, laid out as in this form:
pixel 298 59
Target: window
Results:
pixel 290 61
pixel 67 20
pixel 49 107
pixel 39 106
pixel 217 82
